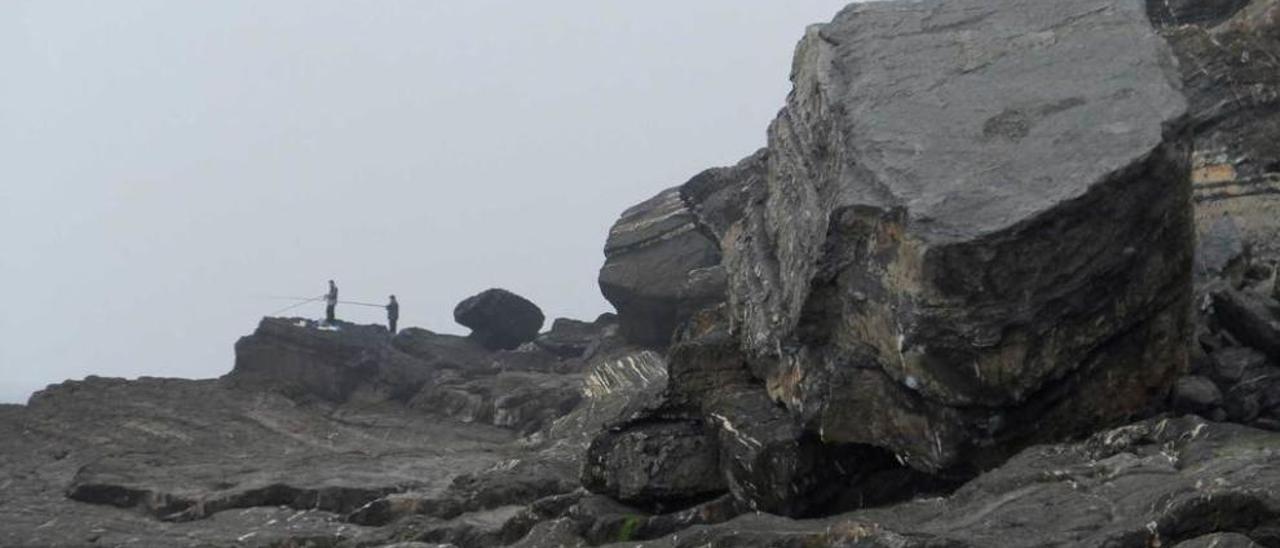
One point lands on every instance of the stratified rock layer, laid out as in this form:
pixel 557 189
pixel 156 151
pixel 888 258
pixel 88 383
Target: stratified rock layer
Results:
pixel 976 227
pixel 662 256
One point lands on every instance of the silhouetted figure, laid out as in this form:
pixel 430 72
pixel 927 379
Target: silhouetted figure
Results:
pixel 330 302
pixel 393 314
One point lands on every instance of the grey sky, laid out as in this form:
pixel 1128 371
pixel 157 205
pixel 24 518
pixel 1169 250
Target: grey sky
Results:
pixel 165 164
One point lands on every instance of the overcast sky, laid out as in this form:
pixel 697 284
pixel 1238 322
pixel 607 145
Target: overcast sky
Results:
pixel 165 165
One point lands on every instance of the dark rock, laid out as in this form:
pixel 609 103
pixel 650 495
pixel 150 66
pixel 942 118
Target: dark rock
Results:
pixel 551 462
pixel 1243 406
pixel 1193 12
pixel 332 362
pixel 1155 483
pixel 772 465
pixel 446 351
pixel 571 338
pixel 657 252
pixel 500 319
pixel 657 465
pixel 1252 318
pixel 560 533
pixel 1231 364
pixel 159 462
pixel 1196 395
pixel 1220 251
pixel 1220 540
pixel 954 241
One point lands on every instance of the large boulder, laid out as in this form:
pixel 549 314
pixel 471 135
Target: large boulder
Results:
pixel 657 253
pixel 976 230
pixel 500 319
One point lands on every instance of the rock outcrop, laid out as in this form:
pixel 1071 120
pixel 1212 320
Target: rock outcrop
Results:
pixel 332 362
pixel 663 255
pixel 971 231
pixel 500 319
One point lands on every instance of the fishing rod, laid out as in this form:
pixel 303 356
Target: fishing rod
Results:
pixel 363 304
pixel 293 306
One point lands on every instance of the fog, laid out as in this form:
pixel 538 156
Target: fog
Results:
pixel 166 167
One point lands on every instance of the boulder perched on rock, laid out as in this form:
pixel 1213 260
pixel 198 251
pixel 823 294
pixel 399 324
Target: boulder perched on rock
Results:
pixel 500 319
pixel 657 251
pixel 976 222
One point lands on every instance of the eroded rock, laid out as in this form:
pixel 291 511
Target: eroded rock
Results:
pixel 658 254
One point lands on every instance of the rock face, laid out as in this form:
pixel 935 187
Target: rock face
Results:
pixel 500 319
pixel 973 226
pixel 662 256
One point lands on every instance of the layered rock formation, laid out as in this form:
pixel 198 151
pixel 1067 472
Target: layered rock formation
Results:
pixel 969 233
pixel 663 255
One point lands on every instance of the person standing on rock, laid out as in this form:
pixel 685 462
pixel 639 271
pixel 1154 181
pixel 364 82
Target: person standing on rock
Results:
pixel 330 302
pixel 393 314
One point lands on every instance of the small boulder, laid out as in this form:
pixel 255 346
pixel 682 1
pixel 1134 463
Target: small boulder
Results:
pixel 1220 251
pixel 1195 394
pixel 1231 364
pixel 500 319
pixel 1252 318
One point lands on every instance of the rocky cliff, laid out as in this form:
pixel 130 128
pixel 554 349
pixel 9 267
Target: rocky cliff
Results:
pixel 1005 275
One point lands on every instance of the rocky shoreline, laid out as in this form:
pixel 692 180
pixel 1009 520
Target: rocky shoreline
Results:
pixel 1005 275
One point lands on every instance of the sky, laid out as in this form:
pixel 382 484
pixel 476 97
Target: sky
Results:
pixel 167 167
